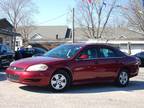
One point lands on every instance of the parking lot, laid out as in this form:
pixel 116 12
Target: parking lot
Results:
pixel 13 95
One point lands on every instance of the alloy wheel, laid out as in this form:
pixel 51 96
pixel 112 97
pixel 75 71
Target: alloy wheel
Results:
pixel 58 81
pixel 123 78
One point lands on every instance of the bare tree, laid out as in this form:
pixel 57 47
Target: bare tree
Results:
pixel 93 16
pixel 25 29
pixel 134 13
pixel 18 12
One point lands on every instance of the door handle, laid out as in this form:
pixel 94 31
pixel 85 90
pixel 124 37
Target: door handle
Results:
pixel 96 62
pixel 117 61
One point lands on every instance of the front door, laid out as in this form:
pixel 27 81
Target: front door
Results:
pixel 84 68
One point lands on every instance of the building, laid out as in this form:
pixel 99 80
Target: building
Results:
pixel 127 40
pixel 6 33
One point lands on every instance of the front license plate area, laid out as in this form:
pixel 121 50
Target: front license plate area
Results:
pixel 13 77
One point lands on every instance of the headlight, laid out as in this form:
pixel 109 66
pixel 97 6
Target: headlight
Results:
pixel 37 67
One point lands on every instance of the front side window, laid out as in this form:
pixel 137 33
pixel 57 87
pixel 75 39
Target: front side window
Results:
pixel 106 53
pixel 63 51
pixel 91 53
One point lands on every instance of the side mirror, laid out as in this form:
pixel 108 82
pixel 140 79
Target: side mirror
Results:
pixel 83 56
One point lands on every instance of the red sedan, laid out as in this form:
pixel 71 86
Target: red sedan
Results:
pixel 75 64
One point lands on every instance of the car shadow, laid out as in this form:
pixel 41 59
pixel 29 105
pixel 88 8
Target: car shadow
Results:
pixel 95 88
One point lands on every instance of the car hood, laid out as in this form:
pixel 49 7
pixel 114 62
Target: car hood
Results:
pixel 24 63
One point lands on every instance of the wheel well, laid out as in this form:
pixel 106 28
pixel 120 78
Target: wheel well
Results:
pixel 66 70
pixel 126 68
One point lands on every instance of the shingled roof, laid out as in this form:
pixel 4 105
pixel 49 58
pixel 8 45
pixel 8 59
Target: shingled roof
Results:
pixel 6 28
pixel 48 33
pixel 114 34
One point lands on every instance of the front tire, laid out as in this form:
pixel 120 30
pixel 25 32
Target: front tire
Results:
pixel 122 78
pixel 60 81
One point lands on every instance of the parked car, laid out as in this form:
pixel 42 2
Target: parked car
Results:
pixel 140 55
pixel 75 64
pixel 29 52
pixel 6 55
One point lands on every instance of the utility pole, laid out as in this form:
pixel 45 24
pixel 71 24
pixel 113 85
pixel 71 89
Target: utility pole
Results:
pixel 73 26
pixel 14 39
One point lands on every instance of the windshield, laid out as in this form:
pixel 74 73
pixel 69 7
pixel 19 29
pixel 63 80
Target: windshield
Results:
pixel 63 51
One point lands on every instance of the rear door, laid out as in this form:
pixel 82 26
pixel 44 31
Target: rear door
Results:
pixel 108 63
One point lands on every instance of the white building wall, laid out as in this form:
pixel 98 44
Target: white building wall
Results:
pixel 19 43
pixel 135 48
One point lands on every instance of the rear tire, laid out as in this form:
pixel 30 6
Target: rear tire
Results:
pixel 122 78
pixel 60 81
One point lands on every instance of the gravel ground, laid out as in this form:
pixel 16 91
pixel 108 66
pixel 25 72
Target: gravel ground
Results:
pixel 13 95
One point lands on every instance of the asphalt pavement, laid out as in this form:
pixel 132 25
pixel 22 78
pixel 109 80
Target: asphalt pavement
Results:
pixel 13 95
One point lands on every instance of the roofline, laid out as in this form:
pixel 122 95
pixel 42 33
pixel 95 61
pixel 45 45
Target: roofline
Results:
pixel 7 21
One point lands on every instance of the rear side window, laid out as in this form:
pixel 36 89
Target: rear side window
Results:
pixel 140 54
pixel 107 53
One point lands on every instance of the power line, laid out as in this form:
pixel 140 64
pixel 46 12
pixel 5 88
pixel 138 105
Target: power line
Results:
pixel 55 18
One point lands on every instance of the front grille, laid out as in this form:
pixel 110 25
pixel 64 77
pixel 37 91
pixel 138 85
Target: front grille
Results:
pixel 16 68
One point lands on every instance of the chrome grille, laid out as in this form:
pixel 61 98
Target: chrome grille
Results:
pixel 16 68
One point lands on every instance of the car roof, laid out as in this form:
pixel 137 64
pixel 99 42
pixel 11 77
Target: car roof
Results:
pixel 89 44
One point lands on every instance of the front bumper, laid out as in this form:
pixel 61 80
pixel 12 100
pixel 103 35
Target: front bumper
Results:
pixel 28 78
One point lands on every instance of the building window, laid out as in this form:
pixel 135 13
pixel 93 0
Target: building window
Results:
pixel 17 43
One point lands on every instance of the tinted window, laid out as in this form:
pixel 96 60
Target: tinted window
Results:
pixel 0 48
pixel 39 50
pixel 140 54
pixel 90 52
pixel 107 53
pixel 3 49
pixel 8 49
